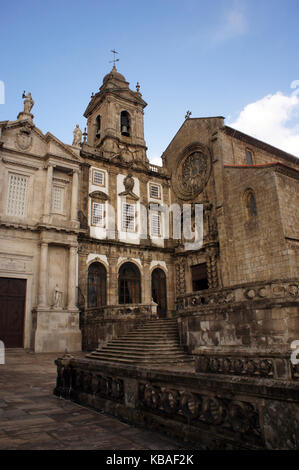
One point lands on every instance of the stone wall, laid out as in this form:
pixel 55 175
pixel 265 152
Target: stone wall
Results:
pixel 260 317
pixel 215 412
pixel 255 247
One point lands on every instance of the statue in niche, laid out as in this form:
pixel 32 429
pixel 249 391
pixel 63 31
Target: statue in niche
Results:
pixel 77 136
pixel 28 102
pixel 57 297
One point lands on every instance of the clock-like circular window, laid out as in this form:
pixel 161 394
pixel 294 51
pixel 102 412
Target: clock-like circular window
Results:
pixel 192 171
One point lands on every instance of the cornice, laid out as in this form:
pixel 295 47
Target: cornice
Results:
pixel 20 163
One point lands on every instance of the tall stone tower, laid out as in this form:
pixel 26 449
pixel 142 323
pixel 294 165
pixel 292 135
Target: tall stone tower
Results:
pixel 115 119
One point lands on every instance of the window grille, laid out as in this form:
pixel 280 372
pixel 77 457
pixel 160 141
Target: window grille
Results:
pixel 57 199
pixel 156 223
pixel 128 217
pixel 99 177
pixel 98 214
pixel 155 191
pixel 17 192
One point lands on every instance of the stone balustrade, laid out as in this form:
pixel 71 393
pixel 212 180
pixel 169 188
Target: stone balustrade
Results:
pixel 193 406
pixel 287 290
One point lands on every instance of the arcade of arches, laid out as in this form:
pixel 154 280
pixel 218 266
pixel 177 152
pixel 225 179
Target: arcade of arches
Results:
pixel 129 286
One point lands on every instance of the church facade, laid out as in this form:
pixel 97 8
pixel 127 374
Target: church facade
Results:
pixel 94 232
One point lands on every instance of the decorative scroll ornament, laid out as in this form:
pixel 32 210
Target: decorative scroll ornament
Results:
pixel 192 172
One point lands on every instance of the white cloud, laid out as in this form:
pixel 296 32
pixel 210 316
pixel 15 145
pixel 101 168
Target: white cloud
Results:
pixel 234 23
pixel 155 160
pixel 273 119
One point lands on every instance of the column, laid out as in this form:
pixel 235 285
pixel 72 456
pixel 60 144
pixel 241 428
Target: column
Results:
pixel 48 194
pixel 43 276
pixel 74 201
pixel 112 288
pixel 72 278
pixel 147 283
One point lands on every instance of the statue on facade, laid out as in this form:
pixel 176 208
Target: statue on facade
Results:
pixel 57 297
pixel 28 102
pixel 77 136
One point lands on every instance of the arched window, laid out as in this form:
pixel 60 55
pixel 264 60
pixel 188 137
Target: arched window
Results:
pixel 250 203
pixel 98 127
pixel 125 123
pixel 129 285
pixel 97 277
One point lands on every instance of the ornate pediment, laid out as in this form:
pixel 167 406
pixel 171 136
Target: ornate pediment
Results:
pixel 100 195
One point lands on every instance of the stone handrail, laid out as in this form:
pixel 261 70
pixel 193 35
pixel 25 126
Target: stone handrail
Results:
pixel 120 312
pixel 287 289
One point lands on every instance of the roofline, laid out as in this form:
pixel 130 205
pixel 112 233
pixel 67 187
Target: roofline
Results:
pixel 259 143
pixel 281 167
pixel 184 122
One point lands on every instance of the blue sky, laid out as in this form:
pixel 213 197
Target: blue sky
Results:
pixel 235 58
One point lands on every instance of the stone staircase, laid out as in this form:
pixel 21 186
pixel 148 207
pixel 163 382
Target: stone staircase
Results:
pixel 156 342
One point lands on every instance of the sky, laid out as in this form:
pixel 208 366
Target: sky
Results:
pixel 231 58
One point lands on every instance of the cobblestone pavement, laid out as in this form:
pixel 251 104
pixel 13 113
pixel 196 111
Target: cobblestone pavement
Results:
pixel 32 418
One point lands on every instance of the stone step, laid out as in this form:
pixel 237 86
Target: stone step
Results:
pixel 154 342
pixel 139 352
pixel 147 358
pixel 142 345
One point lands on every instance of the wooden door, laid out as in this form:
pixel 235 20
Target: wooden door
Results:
pixel 12 311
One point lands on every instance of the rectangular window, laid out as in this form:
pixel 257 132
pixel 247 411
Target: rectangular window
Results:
pixel 57 199
pixel 98 177
pixel 155 191
pixel 156 223
pixel 249 159
pixel 17 193
pixel 98 214
pixel 199 277
pixel 128 217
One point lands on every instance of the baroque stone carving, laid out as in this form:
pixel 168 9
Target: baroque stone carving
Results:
pixel 192 171
pixel 57 297
pixel 244 366
pixel 180 279
pixel 77 136
pixel 24 138
pixel 28 102
pixel 129 185
pixel 240 417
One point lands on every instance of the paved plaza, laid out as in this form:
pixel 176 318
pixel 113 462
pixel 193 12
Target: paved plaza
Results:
pixel 32 418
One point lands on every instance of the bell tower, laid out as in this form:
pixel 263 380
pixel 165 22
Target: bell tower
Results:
pixel 115 119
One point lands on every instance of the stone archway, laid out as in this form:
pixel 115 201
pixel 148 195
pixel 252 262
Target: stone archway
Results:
pixel 129 284
pixel 159 291
pixel 97 281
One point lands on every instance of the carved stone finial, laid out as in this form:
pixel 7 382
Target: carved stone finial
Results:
pixel 188 114
pixel 84 135
pixel 137 87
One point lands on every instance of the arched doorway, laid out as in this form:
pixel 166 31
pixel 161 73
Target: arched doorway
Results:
pixel 129 285
pixel 96 289
pixel 159 292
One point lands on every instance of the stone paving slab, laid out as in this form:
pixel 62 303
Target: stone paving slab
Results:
pixel 32 418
